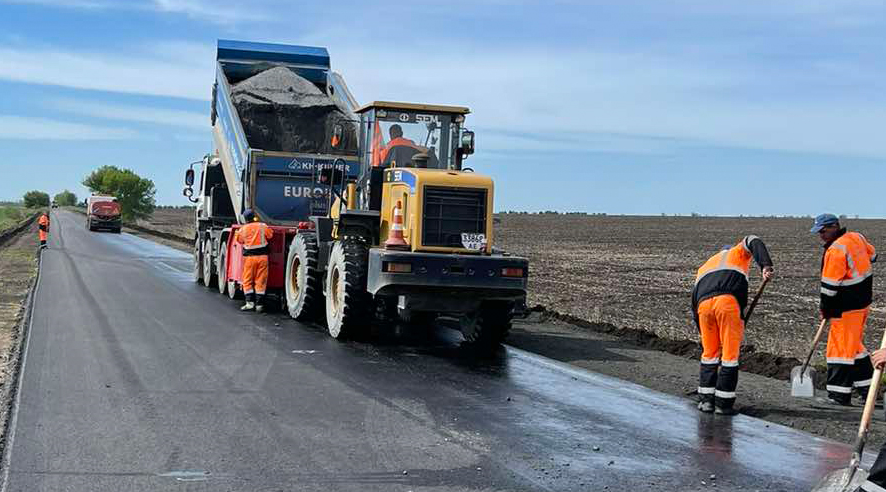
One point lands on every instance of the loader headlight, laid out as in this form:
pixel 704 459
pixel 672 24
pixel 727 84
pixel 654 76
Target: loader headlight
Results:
pixel 511 272
pixel 394 267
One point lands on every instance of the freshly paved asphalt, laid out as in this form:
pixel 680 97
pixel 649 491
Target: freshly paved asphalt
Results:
pixel 136 378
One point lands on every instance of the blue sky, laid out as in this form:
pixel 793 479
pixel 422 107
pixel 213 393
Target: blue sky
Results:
pixel 745 107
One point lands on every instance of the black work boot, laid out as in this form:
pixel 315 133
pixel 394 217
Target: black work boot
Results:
pixel 259 303
pixel 725 406
pixel 706 403
pixel 250 305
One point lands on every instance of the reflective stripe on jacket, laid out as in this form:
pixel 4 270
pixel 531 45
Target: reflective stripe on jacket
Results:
pixel 727 272
pixel 254 238
pixel 847 276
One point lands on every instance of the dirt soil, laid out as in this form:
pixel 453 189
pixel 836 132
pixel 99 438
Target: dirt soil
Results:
pixel 637 272
pixel 18 267
pixel 178 221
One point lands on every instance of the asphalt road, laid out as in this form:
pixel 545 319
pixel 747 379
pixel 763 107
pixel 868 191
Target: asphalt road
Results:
pixel 136 378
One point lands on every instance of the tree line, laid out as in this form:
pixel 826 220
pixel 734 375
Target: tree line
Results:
pixel 134 193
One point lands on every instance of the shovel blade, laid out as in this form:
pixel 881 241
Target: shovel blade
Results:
pixel 842 480
pixel 801 382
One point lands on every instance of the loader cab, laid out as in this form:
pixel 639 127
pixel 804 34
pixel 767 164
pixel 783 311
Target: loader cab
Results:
pixel 409 135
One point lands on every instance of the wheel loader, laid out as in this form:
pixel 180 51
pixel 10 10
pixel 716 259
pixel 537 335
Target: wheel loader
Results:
pixel 409 239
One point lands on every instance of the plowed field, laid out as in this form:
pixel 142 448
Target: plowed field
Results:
pixel 637 272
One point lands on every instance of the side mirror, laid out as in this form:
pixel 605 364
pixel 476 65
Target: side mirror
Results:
pixel 189 177
pixel 337 132
pixel 467 142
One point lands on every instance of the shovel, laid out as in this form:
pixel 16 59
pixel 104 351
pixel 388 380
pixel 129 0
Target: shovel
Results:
pixel 801 376
pixel 848 479
pixel 753 304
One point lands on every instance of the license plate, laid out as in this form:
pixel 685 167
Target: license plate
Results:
pixel 473 240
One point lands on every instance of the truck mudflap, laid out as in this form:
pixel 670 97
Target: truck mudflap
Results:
pixel 492 277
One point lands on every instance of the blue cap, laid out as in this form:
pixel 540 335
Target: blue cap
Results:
pixel 824 220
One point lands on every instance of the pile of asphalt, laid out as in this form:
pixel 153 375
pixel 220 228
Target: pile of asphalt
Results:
pixel 282 111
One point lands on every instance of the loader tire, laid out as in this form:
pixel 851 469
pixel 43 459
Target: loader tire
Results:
pixel 304 285
pixel 347 302
pixel 489 326
pixel 209 276
pixel 198 261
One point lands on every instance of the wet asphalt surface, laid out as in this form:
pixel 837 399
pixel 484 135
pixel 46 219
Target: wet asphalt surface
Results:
pixel 136 378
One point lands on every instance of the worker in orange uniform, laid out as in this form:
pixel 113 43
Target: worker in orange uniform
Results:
pixel 254 237
pixel 718 301
pixel 399 149
pixel 43 226
pixel 846 292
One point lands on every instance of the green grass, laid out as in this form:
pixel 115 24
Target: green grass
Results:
pixel 11 215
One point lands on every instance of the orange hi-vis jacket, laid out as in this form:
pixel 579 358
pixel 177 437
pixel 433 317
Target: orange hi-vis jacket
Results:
pixel 847 276
pixel 43 226
pixel 254 237
pixel 727 272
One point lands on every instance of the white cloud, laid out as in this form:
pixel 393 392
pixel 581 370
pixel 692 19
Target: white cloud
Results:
pixel 32 128
pixel 568 91
pixel 217 12
pixel 128 112
pixel 134 72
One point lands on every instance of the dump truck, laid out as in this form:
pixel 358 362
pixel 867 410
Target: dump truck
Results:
pixel 103 212
pixel 273 107
pixel 409 239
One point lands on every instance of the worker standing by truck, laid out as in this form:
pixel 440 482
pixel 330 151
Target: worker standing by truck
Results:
pixel 846 293
pixel 718 301
pixel 254 237
pixel 43 226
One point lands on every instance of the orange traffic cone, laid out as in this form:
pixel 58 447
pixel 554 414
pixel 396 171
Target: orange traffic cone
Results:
pixel 395 233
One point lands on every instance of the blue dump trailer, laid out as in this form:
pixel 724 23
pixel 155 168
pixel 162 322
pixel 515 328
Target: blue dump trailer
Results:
pixel 273 110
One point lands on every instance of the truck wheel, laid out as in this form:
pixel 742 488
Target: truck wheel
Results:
pixel 347 302
pixel 304 292
pixel 234 290
pixel 489 326
pixel 209 277
pixel 222 273
pixel 198 262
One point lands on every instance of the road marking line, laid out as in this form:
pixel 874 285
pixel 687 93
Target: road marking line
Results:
pixel 306 352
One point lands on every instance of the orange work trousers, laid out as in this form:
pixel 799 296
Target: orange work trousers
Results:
pixel 255 274
pixel 43 236
pixel 849 364
pixel 719 319
pixel 845 337
pixel 722 330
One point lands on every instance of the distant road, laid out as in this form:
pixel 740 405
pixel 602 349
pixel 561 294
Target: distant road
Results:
pixel 136 378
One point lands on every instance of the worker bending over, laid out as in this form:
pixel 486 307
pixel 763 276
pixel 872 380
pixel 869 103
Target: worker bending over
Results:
pixel 254 237
pixel 718 301
pixel 43 226
pixel 846 294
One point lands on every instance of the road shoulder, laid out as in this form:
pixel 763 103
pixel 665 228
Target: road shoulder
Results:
pixel 18 268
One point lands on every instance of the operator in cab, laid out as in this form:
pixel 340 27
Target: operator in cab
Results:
pixel 399 149
pixel 254 237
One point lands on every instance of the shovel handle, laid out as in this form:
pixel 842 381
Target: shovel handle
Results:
pixel 868 409
pixel 814 344
pixel 753 304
